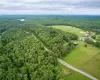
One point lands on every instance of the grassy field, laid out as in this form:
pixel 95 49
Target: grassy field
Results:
pixel 0 44
pixel 73 75
pixel 93 66
pixel 85 58
pixel 98 37
pixel 71 29
pixel 82 57
pixel 81 54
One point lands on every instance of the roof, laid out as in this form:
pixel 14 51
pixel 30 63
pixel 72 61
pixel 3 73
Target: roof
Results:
pixel 75 42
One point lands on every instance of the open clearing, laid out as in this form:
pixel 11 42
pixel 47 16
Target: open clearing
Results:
pixel 75 69
pixel 81 54
pixel 71 74
pixel 84 58
pixel 93 66
pixel 0 42
pixel 71 29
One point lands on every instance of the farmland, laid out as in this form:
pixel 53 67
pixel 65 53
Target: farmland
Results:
pixel 71 29
pixel 72 75
pixel 82 57
pixel 30 47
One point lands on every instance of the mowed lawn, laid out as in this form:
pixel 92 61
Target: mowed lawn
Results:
pixel 71 29
pixel 83 57
pixel 93 66
pixel 81 54
pixel 73 75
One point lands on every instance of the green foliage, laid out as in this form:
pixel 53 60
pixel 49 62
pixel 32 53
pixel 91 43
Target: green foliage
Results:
pixel 94 36
pixel 23 54
pixel 87 40
pixel 97 43
pixel 29 50
pixel 85 45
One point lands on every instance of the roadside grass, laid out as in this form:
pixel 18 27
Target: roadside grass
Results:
pixel 73 74
pixel 98 37
pixel 93 66
pixel 82 57
pixel 0 42
pixel 81 54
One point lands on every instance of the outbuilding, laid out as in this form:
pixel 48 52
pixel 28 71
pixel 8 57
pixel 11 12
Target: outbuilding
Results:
pixel 81 38
pixel 75 43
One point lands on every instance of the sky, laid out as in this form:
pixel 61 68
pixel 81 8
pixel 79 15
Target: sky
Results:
pixel 66 7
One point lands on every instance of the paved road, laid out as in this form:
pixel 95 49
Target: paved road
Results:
pixel 77 70
pixel 71 67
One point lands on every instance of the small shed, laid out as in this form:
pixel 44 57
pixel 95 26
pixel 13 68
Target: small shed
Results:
pixel 75 43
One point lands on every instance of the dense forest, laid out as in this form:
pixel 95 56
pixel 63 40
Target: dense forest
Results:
pixel 85 22
pixel 30 51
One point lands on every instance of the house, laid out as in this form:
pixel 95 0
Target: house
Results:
pixel 87 34
pixel 81 38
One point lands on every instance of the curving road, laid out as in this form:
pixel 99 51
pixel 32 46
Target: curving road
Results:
pixel 71 67
pixel 77 70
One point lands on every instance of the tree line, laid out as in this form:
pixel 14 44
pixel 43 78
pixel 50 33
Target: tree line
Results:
pixel 23 55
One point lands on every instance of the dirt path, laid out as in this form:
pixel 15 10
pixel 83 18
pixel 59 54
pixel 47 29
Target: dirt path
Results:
pixel 69 66
pixel 77 70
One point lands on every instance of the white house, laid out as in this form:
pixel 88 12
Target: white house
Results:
pixel 81 38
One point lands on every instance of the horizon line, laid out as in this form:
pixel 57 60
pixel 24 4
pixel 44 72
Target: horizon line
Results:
pixel 53 14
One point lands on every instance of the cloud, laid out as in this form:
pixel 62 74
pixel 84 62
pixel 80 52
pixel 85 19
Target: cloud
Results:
pixel 50 6
pixel 88 4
